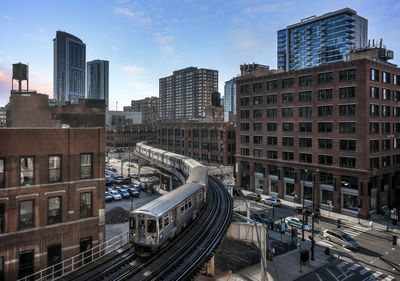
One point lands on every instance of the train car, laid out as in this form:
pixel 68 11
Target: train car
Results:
pixel 153 224
pixel 189 164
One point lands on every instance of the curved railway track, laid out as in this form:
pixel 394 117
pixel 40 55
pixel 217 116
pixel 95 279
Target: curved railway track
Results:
pixel 185 257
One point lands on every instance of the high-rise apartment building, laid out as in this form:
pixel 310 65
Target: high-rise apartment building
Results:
pixel 97 80
pixel 329 133
pixel 186 93
pixel 230 96
pixel 321 40
pixel 69 68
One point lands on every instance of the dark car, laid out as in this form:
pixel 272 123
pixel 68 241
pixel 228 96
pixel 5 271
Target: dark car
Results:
pixel 260 217
pixel 308 211
pixel 133 191
pixel 124 193
pixel 253 196
pixel 109 197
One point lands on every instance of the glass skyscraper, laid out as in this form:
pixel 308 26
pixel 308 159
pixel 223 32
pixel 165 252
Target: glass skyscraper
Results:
pixel 230 96
pixel 69 68
pixel 321 40
pixel 97 80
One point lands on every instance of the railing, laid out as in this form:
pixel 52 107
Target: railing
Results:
pixel 76 262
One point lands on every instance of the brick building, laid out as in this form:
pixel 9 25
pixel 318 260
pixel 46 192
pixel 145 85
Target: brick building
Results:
pixel 212 142
pixel 339 121
pixel 128 136
pixel 51 196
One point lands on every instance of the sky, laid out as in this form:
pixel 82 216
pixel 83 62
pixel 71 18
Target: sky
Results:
pixel 147 40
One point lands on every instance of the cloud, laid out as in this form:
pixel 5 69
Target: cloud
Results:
pixel 5 82
pixel 138 17
pixel 114 48
pixel 8 18
pixel 163 42
pixel 134 69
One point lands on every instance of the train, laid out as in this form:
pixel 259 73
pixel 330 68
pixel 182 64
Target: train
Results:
pixel 153 225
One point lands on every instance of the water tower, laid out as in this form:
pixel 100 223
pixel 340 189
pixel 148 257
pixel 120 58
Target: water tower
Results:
pixel 20 73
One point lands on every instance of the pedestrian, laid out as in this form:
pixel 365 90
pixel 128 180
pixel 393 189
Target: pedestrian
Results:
pixel 387 226
pixel 371 224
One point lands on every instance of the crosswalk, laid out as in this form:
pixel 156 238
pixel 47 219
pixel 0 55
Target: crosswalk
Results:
pixel 355 230
pixel 359 272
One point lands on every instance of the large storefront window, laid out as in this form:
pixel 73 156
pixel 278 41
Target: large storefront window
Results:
pixel 289 189
pixel 308 192
pixel 327 197
pixel 274 186
pixel 350 202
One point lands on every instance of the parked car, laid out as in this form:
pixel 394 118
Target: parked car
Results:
pixel 271 201
pixel 308 210
pixel 124 193
pixel 134 176
pixel 296 222
pixel 253 196
pixel 133 191
pixel 109 182
pixel 115 194
pixel 109 197
pixel 111 168
pixel 340 238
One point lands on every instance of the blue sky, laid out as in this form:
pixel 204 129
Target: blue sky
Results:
pixel 147 40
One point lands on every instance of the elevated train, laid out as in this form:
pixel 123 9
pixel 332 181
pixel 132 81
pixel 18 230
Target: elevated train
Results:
pixel 154 224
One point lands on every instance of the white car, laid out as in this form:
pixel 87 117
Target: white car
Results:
pixel 271 201
pixel 115 194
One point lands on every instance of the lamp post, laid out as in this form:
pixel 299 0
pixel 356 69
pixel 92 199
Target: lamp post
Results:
pixel 302 210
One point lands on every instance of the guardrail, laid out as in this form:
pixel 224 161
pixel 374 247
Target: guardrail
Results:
pixel 76 262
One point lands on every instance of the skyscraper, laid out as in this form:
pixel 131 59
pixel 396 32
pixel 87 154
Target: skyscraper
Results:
pixel 230 96
pixel 97 80
pixel 69 67
pixel 186 93
pixel 321 40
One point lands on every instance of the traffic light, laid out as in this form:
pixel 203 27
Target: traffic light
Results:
pixel 338 223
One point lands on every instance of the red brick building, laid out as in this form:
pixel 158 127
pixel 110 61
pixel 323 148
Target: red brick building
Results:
pixel 51 196
pixel 339 121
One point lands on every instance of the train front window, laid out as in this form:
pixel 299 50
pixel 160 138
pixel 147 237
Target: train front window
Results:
pixel 151 226
pixel 132 223
pixel 160 223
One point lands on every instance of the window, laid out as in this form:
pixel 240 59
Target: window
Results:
pixel 347 93
pixel 244 126
pixel 287 112
pixel 325 78
pixel 347 162
pixel 305 142
pixel 272 140
pixel 325 94
pixel 385 77
pixel 272 85
pixel 244 151
pixel 325 127
pixel 348 145
pixel 272 154
pixel 27 170
pixel 287 98
pixel 325 143
pixel 385 110
pixel 374 163
pixel 305 127
pixel 347 75
pixel 325 160
pixel 396 96
pixel 374 127
pixel 349 182
pixel 2 173
pixel 86 166
pixel 305 80
pixel 396 143
pixel 86 205
pixel 385 128
pixel 272 127
pixel 374 74
pixel 385 94
pixel 305 111
pixel 287 141
pixel 287 83
pixel 385 161
pixel 54 210
pixel 288 156
pixel 325 110
pixel 54 256
pixel 257 100
pixel 244 101
pixel 347 127
pixel 272 113
pixel 257 87
pixel 244 88
pixel 26 263
pixel 26 214
pixel 385 144
pixel 396 128
pixel 245 113
pixel 54 168
pixel 244 139
pixel 257 126
pixel 287 127
pixel 257 113
pixel 347 110
pixel 396 159
pixel 2 219
pixel 305 157
pixel 257 139
pixel 396 111
pixel 374 92
pixel 272 99
pixel 305 96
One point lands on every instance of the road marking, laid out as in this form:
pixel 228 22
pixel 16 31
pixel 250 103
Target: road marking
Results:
pixel 388 278
pixel 365 270
pixel 319 278
pixel 393 249
pixel 354 267
pixel 332 274
pixel 342 264
pixel 386 253
pixel 377 274
pixel 326 244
